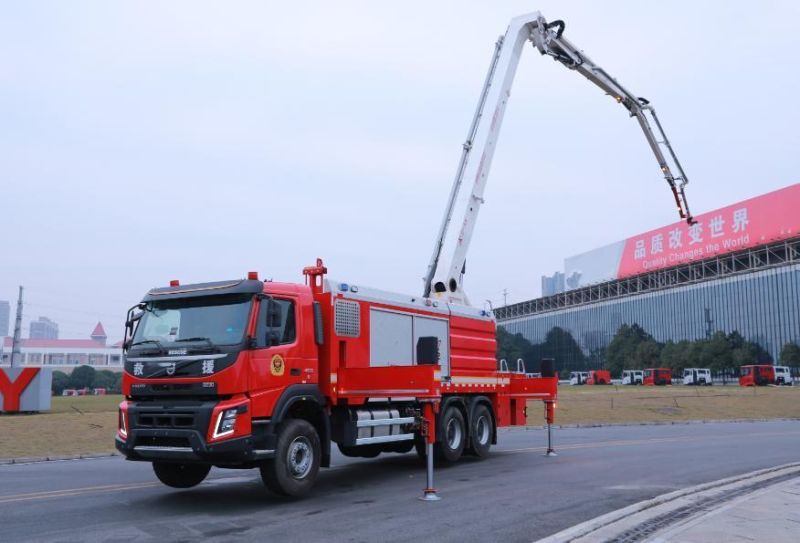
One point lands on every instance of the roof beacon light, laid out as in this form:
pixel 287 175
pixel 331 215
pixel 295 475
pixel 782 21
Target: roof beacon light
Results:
pixel 174 283
pixel 253 276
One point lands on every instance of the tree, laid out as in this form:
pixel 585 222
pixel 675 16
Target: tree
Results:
pixel 82 377
pixel 677 356
pixel 60 382
pixel 118 382
pixel 560 345
pixel 647 354
pixel 736 341
pixel 716 352
pixel 762 355
pixel 790 355
pixel 745 355
pixel 621 352
pixel 105 379
pixel 511 346
pixel 596 358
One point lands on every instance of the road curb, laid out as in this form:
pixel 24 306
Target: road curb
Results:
pixel 57 458
pixel 622 517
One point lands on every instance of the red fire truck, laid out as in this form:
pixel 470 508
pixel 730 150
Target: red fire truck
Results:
pixel 756 375
pixel 657 376
pixel 252 374
pixel 246 373
pixel 599 377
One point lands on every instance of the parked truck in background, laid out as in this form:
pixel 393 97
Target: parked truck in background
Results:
pixel 756 375
pixel 632 377
pixel 657 377
pixel 599 377
pixel 578 377
pixel 783 376
pixel 697 376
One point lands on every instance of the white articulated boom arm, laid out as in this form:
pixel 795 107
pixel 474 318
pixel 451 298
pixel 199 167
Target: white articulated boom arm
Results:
pixel 482 137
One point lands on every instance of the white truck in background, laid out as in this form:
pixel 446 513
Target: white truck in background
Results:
pixel 697 376
pixel 783 376
pixel 632 377
pixel 578 377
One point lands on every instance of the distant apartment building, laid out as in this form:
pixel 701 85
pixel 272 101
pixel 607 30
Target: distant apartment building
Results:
pixel 552 285
pixel 5 316
pixel 93 351
pixel 43 328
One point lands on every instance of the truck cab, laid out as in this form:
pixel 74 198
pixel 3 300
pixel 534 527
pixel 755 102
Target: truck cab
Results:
pixel 599 377
pixel 212 369
pixel 697 376
pixel 578 377
pixel 657 377
pixel 632 377
pixel 757 375
pixel 783 376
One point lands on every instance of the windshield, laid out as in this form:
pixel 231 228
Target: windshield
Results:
pixel 220 320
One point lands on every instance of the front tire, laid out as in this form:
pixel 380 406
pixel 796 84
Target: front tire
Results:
pixel 482 429
pixel 452 435
pixel 181 475
pixel 294 469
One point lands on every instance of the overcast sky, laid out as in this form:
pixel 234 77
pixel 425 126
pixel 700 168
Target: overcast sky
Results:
pixel 141 142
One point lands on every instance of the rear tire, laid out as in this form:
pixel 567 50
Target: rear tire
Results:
pixel 482 429
pixel 181 475
pixel 452 435
pixel 294 469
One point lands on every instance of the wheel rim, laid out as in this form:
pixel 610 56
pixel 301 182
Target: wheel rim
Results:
pixel 454 434
pixel 300 457
pixel 482 430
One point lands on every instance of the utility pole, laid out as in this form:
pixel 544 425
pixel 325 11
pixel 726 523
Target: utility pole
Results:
pixel 16 350
pixel 709 322
pixel 505 296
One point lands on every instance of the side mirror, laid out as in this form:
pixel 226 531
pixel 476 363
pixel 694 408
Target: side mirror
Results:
pixel 132 319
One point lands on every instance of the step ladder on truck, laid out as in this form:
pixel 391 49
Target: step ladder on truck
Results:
pixel 253 374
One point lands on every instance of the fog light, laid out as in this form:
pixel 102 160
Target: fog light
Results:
pixel 226 422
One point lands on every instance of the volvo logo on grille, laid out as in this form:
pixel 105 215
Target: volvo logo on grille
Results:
pixel 177 352
pixel 170 367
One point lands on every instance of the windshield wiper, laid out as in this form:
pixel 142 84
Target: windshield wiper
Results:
pixel 158 344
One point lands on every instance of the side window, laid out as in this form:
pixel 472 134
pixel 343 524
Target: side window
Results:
pixel 281 327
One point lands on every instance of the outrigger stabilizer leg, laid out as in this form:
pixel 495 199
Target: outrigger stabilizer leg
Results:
pixel 429 425
pixel 549 409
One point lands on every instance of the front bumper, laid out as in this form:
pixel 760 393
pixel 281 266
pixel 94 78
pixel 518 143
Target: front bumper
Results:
pixel 177 432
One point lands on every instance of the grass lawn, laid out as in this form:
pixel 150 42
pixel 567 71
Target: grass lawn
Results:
pixel 87 424
pixel 74 425
pixel 624 404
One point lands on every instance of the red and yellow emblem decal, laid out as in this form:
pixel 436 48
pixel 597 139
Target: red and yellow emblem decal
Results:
pixel 276 366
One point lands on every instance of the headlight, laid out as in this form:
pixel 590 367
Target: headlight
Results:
pixel 122 424
pixel 226 422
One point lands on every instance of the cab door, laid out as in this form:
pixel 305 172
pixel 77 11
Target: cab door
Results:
pixel 277 360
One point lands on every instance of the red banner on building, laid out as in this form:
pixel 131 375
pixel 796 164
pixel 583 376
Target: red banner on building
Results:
pixel 757 221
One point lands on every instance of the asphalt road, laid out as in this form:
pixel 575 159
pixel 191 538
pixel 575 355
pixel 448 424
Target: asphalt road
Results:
pixel 515 495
